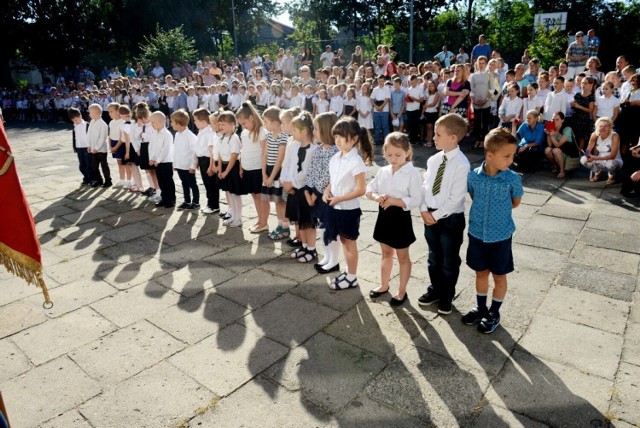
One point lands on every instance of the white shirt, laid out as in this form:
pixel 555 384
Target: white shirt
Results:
pixel 157 71
pixel 512 107
pixel 114 129
pixel 326 58
pixel 192 102
pixel 531 104
pixel 161 146
pixel 418 93
pixel 97 135
pixel 554 103
pixel 380 94
pixel 82 135
pixel 404 184
pixel 290 171
pixel 251 151
pixel 336 105
pixel 605 106
pixel 343 170
pixel 228 145
pixel 205 140
pixel 453 187
pixel 184 146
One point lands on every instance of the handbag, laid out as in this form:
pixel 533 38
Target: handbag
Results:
pixel 571 163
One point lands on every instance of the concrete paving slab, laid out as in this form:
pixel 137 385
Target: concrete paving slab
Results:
pixel 561 211
pixel 128 251
pixel 317 290
pixel 291 269
pixel 79 268
pixel 625 403
pixel 18 316
pixel 71 419
pixel 47 391
pixel 288 320
pixel 587 349
pixel 86 215
pixel 261 403
pixel 126 352
pixel 157 397
pixel 366 413
pixel 14 289
pixel 59 336
pixel 254 288
pixel 603 221
pixel 197 317
pixel 611 240
pixel 631 348
pixel 565 226
pixel 137 272
pixel 603 258
pixel 129 232
pixel 550 240
pixel 550 393
pixel 134 304
pixel 489 415
pixel 535 199
pixel 72 296
pixel 130 216
pixel 244 257
pixel 228 359
pixel 14 361
pixel 328 372
pixel 608 284
pixel 582 307
pixel 195 277
pixel 186 252
pixel 527 257
pixel 430 387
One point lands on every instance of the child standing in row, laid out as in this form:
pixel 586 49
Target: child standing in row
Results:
pixel 184 159
pixel 253 141
pixel 117 148
pixel 317 181
pixel 81 145
pixel 397 188
pixel 294 172
pixel 98 133
pixel 346 186
pixel 229 167
pixel 271 165
pixel 161 157
pixel 496 191
pixel 142 131
pixel 130 159
pixel 205 142
pixel 286 117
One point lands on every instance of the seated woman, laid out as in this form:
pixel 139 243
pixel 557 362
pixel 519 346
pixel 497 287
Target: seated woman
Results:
pixel 631 173
pixel 603 151
pixel 561 145
pixel 531 138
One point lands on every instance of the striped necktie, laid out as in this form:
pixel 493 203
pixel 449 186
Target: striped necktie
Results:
pixel 438 181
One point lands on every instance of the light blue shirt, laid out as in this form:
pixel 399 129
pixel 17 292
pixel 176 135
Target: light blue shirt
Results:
pixel 490 219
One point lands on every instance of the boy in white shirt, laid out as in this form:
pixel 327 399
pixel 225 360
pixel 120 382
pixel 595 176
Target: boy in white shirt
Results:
pixel 97 136
pixel 556 101
pixel 161 156
pixel 81 145
pixel 184 159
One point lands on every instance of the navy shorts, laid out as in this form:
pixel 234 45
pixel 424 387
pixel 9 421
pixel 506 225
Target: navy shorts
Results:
pixel 496 257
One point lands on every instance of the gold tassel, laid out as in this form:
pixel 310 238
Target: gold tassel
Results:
pixel 29 270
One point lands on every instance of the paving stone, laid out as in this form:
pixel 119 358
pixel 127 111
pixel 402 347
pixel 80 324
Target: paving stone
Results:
pixel 228 359
pixel 83 231
pixel 489 415
pixel 137 272
pixel 612 205
pixel 261 403
pixel 244 257
pixel 526 257
pixel 62 335
pixel 611 240
pixel 587 349
pixel 604 221
pixel 550 393
pixel 535 199
pixel 187 252
pixel 288 319
pixel 195 277
pixel 430 387
pixel 317 289
pixel 197 317
pixel 54 224
pixel 625 403
pixel 87 214
pixel 127 251
pixel 79 268
pixel 254 288
pixel 129 232
pixel 349 370
pixel 14 288
pixel 593 280
pixel 366 413
pixel 19 316
pixel 563 211
pixel 134 304
pixel 158 397
pixel 70 250
pixel 50 390
pixel 72 296
pixel 129 216
pixel 71 419
pixel 525 211
pixel 556 225
pixel 126 352
pixel 176 234
pixel 586 308
pixel 603 258
pixel 291 269
pixel 631 349
pixel 14 361
pixel 550 240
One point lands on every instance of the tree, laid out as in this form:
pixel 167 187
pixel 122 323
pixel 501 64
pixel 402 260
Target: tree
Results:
pixel 549 46
pixel 166 47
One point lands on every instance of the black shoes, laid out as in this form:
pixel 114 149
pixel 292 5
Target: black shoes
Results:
pixel 107 184
pixel 444 308
pixel 428 299
pixel 474 316
pixel 395 302
pixel 321 269
pixel 375 294
pixel 186 206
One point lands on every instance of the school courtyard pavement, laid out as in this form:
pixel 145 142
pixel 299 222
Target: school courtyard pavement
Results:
pixel 168 319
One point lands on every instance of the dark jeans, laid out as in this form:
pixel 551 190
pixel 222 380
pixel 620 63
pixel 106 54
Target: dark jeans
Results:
pixel 164 171
pixel 85 165
pixel 413 125
pixel 189 186
pixel 444 240
pixel 99 160
pixel 380 126
pixel 481 121
pixel 210 183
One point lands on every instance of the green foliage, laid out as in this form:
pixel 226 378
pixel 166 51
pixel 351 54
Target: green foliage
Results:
pixel 549 46
pixel 267 48
pixel 511 23
pixel 167 46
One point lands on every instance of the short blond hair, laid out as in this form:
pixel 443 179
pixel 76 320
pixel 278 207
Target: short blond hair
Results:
pixel 180 117
pixel 158 115
pixel 454 124
pixel 96 107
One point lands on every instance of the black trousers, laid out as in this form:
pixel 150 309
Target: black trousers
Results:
pixel 413 125
pixel 481 122
pixel 164 171
pixel 99 160
pixel 210 183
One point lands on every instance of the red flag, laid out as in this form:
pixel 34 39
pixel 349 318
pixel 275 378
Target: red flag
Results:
pixel 19 244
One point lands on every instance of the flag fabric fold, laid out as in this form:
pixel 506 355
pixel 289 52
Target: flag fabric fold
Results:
pixel 19 244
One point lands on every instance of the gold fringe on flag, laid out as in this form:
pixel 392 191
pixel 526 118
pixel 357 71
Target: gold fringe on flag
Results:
pixel 26 268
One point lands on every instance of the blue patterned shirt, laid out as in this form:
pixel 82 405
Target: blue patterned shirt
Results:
pixel 490 218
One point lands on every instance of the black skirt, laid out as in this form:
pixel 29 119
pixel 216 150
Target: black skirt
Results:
pixel 343 223
pixel 252 181
pixel 394 228
pixel 133 159
pixel 320 210
pixel 232 183
pixel 298 211
pixel 144 156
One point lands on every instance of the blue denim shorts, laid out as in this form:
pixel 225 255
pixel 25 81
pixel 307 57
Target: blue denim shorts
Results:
pixel 496 257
